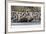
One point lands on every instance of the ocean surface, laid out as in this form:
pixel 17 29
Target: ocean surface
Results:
pixel 27 23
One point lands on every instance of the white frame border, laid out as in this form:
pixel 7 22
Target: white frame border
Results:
pixel 22 4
